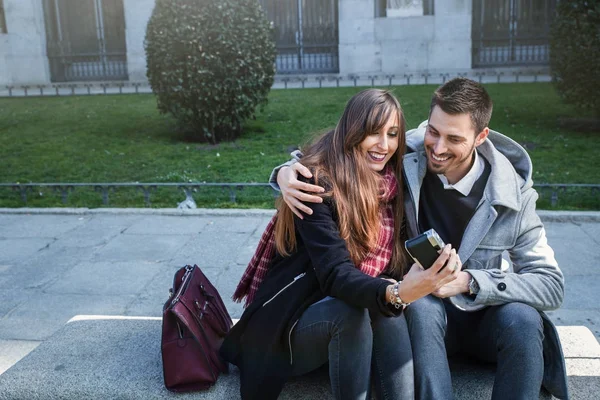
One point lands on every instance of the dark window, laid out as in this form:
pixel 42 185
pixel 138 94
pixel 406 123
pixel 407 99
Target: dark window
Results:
pixel 511 32
pixel 2 18
pixel 85 40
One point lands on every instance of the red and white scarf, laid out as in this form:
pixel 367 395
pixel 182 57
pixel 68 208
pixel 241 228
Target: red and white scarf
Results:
pixel 373 264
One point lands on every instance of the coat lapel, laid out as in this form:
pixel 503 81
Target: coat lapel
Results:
pixel 415 167
pixel 478 227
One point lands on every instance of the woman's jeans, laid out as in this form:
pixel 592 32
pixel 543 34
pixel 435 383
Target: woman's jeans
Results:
pixel 510 335
pixel 355 344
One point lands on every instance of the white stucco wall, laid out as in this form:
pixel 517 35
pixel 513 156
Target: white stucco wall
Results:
pixel 367 45
pixel 23 49
pixel 359 52
pixel 391 45
pixel 137 15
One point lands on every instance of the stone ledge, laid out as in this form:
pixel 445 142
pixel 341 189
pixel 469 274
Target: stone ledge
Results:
pixel 545 215
pixel 99 357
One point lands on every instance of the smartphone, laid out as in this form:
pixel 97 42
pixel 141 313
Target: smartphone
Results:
pixel 424 248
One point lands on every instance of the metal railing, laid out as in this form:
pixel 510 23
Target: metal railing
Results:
pixel 554 189
pixel 104 189
pixel 292 81
pixel 551 190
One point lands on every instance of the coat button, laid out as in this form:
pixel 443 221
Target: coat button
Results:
pixel 502 286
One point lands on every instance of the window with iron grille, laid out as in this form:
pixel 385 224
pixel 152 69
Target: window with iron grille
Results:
pixel 2 18
pixel 511 32
pixel 403 8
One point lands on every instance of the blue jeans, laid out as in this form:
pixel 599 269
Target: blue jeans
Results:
pixel 354 342
pixel 510 335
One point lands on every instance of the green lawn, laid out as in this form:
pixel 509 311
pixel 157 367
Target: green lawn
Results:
pixel 124 139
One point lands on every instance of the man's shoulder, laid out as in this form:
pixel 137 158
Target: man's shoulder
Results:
pixel 502 150
pixel 415 138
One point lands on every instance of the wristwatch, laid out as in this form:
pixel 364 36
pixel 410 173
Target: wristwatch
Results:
pixel 473 287
pixel 396 300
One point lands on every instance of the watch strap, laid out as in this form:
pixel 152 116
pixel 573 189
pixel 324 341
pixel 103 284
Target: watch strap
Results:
pixel 473 286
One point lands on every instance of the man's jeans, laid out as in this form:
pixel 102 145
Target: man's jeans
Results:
pixel 353 342
pixel 510 335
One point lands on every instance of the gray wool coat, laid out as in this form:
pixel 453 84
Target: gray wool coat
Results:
pixel 505 222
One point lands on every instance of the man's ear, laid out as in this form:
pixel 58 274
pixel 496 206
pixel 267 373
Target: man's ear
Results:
pixel 480 138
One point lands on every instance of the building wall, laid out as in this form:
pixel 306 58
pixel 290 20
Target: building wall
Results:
pixel 23 49
pixel 387 45
pixel 137 15
pixel 391 45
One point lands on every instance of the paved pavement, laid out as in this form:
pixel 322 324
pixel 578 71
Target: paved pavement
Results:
pixel 55 264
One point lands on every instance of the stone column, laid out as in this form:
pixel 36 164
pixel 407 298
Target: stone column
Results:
pixel 451 48
pixel 23 58
pixel 359 53
pixel 137 15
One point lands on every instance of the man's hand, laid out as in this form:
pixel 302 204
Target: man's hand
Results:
pixel 294 191
pixel 460 285
pixel 418 282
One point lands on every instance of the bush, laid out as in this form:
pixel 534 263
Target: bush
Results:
pixel 575 53
pixel 210 63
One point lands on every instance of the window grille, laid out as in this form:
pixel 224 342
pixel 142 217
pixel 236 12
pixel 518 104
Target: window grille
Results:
pixel 511 32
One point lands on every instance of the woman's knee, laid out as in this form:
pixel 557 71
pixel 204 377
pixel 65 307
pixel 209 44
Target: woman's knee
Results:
pixel 349 318
pixel 389 326
pixel 390 337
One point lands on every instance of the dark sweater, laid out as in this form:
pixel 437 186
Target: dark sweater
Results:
pixel 447 210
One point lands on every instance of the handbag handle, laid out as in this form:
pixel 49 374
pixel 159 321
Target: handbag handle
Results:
pixel 220 330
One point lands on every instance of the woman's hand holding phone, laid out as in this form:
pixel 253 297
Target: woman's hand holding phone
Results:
pixel 419 282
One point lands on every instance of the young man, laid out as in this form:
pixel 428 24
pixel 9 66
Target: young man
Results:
pixel 473 186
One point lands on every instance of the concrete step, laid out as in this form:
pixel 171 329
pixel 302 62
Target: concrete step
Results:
pixel 102 357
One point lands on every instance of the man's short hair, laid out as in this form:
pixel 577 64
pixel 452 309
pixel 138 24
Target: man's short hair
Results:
pixel 464 96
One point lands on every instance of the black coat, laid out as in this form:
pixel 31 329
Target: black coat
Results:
pixel 260 343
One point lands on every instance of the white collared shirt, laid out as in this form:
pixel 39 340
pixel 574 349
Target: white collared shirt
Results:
pixel 465 185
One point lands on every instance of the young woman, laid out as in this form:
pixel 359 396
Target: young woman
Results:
pixel 324 287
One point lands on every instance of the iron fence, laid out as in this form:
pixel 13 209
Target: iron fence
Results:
pixel 88 67
pixel 548 192
pixel 105 189
pixel 291 81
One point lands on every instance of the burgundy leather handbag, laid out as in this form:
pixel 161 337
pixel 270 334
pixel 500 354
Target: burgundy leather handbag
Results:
pixel 195 322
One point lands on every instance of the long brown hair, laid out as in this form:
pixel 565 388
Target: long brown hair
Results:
pixel 339 165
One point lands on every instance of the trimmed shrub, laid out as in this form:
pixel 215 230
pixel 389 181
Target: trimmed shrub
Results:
pixel 575 53
pixel 210 63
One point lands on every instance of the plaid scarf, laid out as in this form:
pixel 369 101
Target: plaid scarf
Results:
pixel 373 264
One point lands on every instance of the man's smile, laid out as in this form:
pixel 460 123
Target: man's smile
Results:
pixel 439 159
